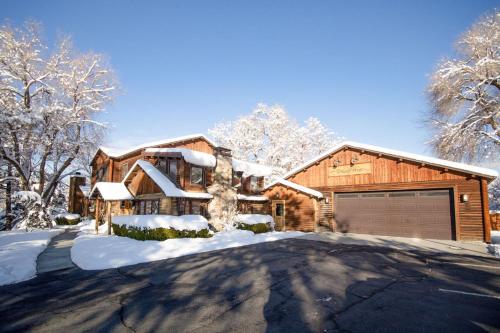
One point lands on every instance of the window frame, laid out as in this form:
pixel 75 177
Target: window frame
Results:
pixel 202 179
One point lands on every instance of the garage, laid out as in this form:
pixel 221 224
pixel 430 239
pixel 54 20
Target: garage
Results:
pixel 420 214
pixel 375 190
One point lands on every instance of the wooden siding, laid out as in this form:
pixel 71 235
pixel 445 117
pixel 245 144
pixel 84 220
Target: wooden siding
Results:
pixel 389 173
pixel 300 213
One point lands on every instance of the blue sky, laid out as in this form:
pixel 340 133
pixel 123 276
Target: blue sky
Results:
pixel 361 67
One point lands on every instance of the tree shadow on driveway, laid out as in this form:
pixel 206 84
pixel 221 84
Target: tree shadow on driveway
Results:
pixel 291 285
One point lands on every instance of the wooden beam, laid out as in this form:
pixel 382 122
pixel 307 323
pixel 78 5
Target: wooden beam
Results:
pixel 486 211
pixel 108 216
pixel 97 207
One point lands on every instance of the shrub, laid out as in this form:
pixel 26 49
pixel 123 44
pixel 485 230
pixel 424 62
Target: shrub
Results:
pixel 158 234
pixel 256 228
pixel 67 220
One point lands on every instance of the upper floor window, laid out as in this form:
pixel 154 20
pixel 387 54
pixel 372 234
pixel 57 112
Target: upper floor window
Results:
pixel 196 175
pixel 172 168
pixel 254 184
pixel 124 170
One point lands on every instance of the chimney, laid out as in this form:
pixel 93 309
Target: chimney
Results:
pixel 223 207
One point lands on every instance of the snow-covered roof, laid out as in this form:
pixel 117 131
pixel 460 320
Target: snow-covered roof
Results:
pixel 85 190
pixel 112 191
pixel 245 197
pixel 114 152
pixel 251 169
pixel 399 154
pixel 164 183
pixel 295 186
pixel 190 156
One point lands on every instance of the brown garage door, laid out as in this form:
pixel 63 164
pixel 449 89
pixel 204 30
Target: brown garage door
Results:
pixel 421 214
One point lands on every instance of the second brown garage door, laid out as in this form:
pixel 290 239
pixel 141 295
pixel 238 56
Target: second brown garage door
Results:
pixel 420 214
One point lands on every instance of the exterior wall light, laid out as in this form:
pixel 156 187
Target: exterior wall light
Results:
pixel 327 200
pixel 464 198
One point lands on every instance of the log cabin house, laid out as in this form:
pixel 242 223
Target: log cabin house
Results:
pixel 352 187
pixel 174 177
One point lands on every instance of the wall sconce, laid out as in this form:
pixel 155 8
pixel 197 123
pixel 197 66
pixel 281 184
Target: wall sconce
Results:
pixel 464 198
pixel 327 200
pixel 276 196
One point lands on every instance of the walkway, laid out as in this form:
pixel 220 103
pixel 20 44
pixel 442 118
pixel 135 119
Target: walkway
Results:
pixel 57 255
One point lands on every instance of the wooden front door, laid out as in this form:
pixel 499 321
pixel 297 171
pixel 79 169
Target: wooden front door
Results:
pixel 278 211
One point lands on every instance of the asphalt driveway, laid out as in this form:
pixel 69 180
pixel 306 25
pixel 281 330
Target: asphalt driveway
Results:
pixel 293 285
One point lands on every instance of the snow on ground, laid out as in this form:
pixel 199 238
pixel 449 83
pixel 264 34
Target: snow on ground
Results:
pixel 19 251
pixel 253 218
pixel 92 251
pixel 494 247
pixel 183 222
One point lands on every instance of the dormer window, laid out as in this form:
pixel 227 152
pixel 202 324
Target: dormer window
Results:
pixel 254 184
pixel 196 175
pixel 172 168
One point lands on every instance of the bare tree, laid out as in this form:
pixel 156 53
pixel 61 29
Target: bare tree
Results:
pixel 464 93
pixel 48 105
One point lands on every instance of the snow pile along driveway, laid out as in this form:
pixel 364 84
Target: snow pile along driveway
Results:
pixel 19 251
pixel 494 247
pixel 92 251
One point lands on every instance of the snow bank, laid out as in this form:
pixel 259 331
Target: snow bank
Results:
pixel 251 169
pixel 101 252
pixel 494 247
pixel 245 197
pixel 253 218
pixel 184 222
pixel 190 156
pixel 69 216
pixel 19 251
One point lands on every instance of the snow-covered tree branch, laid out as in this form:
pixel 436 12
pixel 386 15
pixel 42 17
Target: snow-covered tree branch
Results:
pixel 464 93
pixel 268 135
pixel 48 105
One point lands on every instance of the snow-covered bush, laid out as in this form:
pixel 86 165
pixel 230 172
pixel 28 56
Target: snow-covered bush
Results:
pixel 258 223
pixel 160 227
pixel 32 212
pixel 494 194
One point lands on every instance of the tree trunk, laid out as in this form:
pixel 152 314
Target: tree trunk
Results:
pixel 8 199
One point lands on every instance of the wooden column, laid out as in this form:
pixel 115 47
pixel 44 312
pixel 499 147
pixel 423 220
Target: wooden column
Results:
pixel 97 207
pixel 486 211
pixel 108 216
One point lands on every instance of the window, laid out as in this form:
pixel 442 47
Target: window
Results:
pixel 148 207
pixel 162 165
pixel 196 175
pixel 122 204
pixel 181 206
pixel 124 170
pixel 280 209
pixel 155 207
pixel 254 184
pixel 172 168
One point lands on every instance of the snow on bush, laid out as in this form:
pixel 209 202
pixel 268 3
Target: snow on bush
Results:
pixel 183 222
pixel 33 212
pixel 67 219
pixel 257 223
pixel 160 227
pixel 253 218
pixel 494 247
pixel 19 251
pixel 92 251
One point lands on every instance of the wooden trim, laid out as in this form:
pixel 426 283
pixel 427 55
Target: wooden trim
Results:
pixel 97 221
pixel 456 202
pixel 108 216
pixel 486 212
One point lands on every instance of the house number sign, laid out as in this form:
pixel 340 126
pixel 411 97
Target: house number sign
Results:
pixel 348 170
